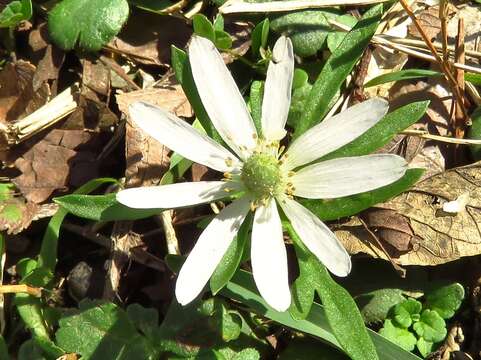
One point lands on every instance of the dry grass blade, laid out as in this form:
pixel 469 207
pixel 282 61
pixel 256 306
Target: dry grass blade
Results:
pixel 446 139
pixel 49 114
pixel 237 6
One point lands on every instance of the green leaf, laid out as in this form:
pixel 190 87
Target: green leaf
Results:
pixel 445 300
pixel 302 290
pixel 259 37
pixel 203 27
pixel 29 350
pixel 397 335
pixel 183 74
pixel 334 38
pixel 242 288
pixel 48 251
pixel 30 310
pixel 255 103
pixel 337 68
pixel 219 22
pixel 425 347
pixel 341 310
pixel 102 331
pixel 474 132
pixel 90 23
pixel 309 349
pixel 346 206
pixel 300 92
pixel 13 210
pixel 402 75
pixel 15 12
pixel 223 40
pixel 146 320
pixel 307 29
pixel 431 326
pixel 407 312
pixel 475 79
pixel 345 319
pixel 375 305
pixel 102 208
pixel 231 259
pixel 383 132
pixel 3 349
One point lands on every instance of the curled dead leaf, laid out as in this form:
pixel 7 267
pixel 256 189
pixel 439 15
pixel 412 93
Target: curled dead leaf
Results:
pixel 434 236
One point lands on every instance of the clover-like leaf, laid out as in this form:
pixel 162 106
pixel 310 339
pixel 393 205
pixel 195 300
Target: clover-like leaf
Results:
pixel 15 12
pixel 90 23
pixel 375 305
pixel 104 330
pixel 445 300
pixel 425 347
pixel 431 326
pixel 398 335
pixel 407 312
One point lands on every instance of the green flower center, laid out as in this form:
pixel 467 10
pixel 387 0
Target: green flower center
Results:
pixel 261 175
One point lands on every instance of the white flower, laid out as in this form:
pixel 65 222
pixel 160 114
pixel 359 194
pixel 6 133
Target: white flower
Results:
pixel 259 168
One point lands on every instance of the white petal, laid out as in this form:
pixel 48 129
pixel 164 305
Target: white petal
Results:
pixel 181 137
pixel 346 176
pixel 317 237
pixel 269 257
pixel 221 97
pixel 335 132
pixel 174 195
pixel 277 93
pixel 209 250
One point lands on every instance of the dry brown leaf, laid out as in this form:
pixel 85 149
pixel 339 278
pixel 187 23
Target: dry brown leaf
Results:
pixel 96 76
pixel 55 162
pixel 147 40
pixel 17 97
pixel 437 237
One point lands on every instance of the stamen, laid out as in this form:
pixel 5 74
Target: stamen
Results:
pixel 229 162
pixel 291 173
pixel 227 175
pixel 253 206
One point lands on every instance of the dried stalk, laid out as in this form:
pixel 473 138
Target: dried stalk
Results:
pixel 459 123
pixel 49 114
pixel 237 6
pixel 446 139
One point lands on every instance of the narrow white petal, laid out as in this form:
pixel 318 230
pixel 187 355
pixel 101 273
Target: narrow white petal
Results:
pixel 346 176
pixel 174 195
pixel 181 137
pixel 221 97
pixel 317 237
pixel 269 257
pixel 277 93
pixel 335 132
pixel 209 250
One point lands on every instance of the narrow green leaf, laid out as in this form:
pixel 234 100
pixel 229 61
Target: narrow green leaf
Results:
pixel 102 208
pixel 90 23
pixel 346 206
pixel 3 349
pixel 48 251
pixel 242 288
pixel 334 38
pixel 259 37
pixel 255 103
pixel 337 67
pixel 402 75
pixel 232 258
pixel 383 132
pixel 203 27
pixel 183 74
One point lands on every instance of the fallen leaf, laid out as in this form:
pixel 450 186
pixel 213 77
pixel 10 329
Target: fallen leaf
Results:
pixel 55 162
pixel 146 40
pixel 15 213
pixel 437 237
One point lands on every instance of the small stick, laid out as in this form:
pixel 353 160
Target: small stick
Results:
pixel 399 269
pixel 460 124
pixel 22 288
pixel 443 9
pixel 169 232
pixel 450 140
pixel 447 72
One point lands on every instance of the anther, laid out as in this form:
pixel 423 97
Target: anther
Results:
pixel 228 175
pixel 229 162
pixel 291 173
